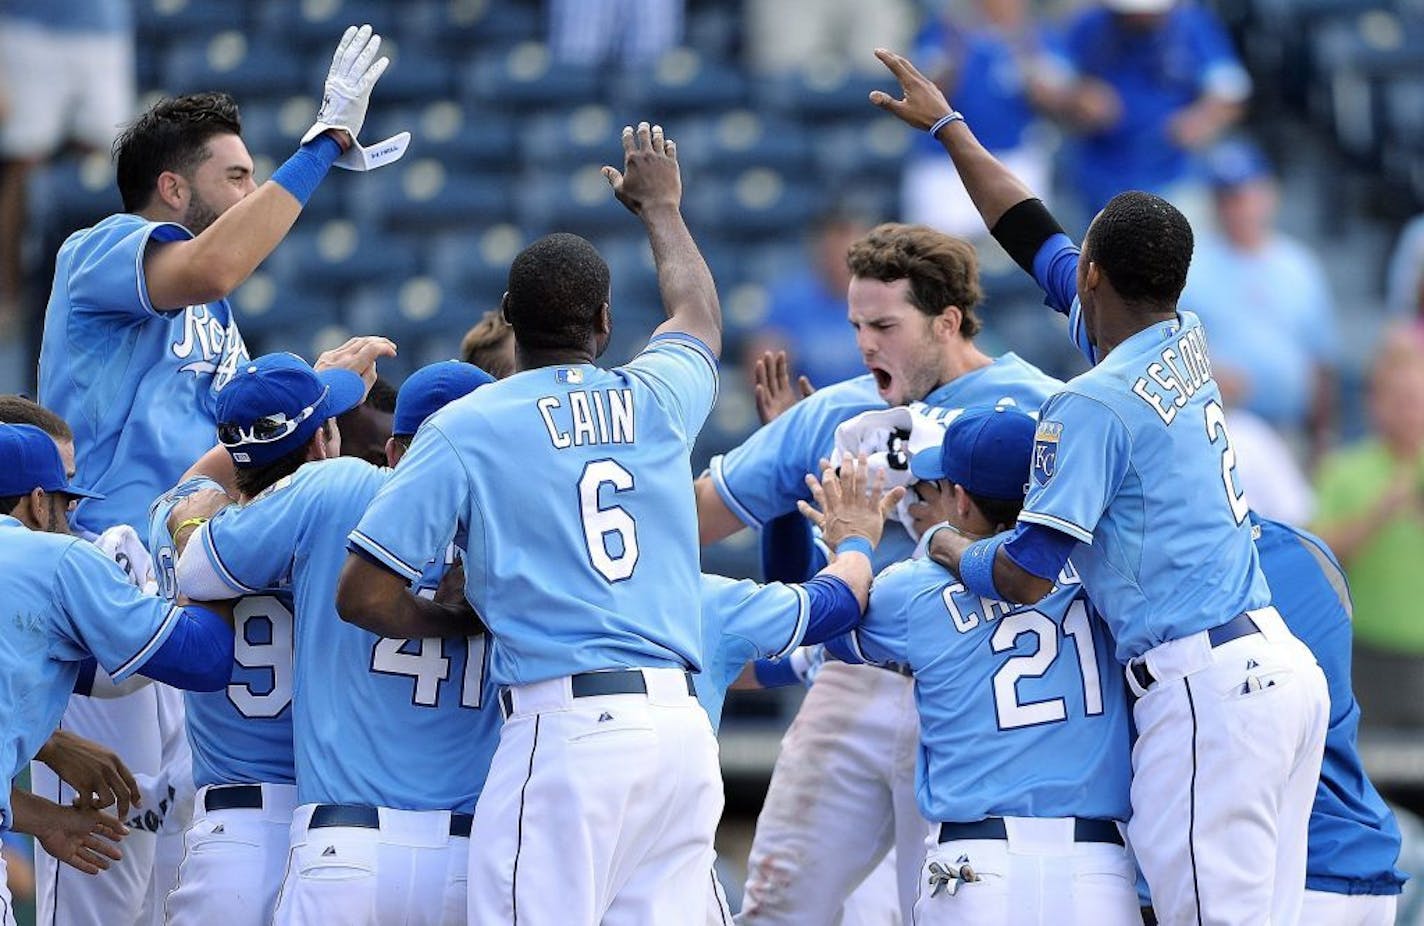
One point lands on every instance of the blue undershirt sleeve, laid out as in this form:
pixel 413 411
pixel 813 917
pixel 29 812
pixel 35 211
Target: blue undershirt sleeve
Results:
pixel 197 656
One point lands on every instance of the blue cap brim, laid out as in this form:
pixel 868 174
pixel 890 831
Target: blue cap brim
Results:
pixel 346 390
pixel 928 465
pixel 78 492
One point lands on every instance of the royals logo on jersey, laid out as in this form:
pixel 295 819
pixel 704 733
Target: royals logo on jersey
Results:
pixel 1045 450
pixel 209 346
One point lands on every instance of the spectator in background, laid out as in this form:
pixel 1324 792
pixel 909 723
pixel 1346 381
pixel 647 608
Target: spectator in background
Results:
pixel 1265 301
pixel 807 313
pixel 989 64
pixel 489 345
pixel 590 33
pixel 1145 83
pixel 1404 296
pixel 787 36
pixel 1371 513
pixel 67 73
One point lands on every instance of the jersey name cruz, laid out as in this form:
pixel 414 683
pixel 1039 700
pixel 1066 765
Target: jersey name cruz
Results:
pixel 990 610
pixel 209 345
pixel 1184 368
pixel 585 417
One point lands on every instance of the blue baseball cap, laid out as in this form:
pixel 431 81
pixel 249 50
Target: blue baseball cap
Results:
pixel 430 389
pixel 29 460
pixel 275 403
pixel 1236 162
pixel 988 451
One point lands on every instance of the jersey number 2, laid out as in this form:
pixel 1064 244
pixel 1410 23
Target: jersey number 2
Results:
pixel 1216 429
pixel 601 525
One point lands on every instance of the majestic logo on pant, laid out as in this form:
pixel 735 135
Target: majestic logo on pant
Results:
pixel 328 852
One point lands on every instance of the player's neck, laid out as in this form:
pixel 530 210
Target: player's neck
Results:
pixel 962 361
pixel 535 358
pixel 1115 327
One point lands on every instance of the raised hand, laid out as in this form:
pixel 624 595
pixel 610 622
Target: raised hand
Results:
pixel 923 103
pixel 82 838
pixel 98 776
pixel 650 176
pixel 849 502
pixel 358 355
pixel 771 377
pixel 345 96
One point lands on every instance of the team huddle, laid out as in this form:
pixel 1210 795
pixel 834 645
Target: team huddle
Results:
pixel 1059 671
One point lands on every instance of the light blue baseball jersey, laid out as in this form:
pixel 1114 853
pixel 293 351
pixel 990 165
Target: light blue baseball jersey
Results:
pixel 573 486
pixel 137 385
pixel 242 734
pixel 1133 461
pixel 1354 841
pixel 407 724
pixel 765 476
pixel 1022 710
pixel 66 601
pixel 742 621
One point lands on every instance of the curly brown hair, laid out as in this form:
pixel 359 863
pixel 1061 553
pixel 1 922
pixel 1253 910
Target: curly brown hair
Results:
pixel 943 270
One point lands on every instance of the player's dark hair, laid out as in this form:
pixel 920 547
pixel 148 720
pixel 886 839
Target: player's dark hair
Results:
pixel 172 135
pixel 8 503
pixel 557 286
pixel 1143 245
pixel 943 270
pixel 382 397
pixel 997 510
pixel 16 409
pixel 252 481
pixel 484 344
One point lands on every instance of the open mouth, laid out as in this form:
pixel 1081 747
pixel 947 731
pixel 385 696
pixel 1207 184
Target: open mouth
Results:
pixel 882 379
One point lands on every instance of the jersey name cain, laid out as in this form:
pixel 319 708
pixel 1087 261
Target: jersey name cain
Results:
pixel 585 417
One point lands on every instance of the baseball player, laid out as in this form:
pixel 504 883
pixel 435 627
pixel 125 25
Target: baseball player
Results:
pixel 845 776
pixel 241 742
pixel 571 487
pixel 75 602
pixel 1023 716
pixel 1351 878
pixel 1134 477
pixel 392 736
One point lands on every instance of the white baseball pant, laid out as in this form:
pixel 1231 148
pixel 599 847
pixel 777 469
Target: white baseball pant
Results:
pixel 1326 909
pixel 598 809
pixel 842 794
pixel 129 726
pixel 7 904
pixel 410 869
pixel 1229 742
pixel 176 783
pixel 234 856
pixel 1039 876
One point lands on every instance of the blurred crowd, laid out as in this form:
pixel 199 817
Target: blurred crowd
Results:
pixel 1081 99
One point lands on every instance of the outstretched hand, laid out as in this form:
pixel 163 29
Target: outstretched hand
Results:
pixel 650 177
pixel 82 838
pixel 771 377
pixel 923 103
pixel 358 355
pixel 849 503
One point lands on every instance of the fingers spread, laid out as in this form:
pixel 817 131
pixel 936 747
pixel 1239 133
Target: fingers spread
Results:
pixel 630 142
pixel 645 136
pixel 658 142
pixel 806 388
pixel 670 148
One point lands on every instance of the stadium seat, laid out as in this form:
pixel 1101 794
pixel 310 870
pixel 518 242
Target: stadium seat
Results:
pixel 825 90
pixel 426 194
pixel 475 265
pixel 572 138
pixel 462 25
pixel 453 134
pixel 680 81
pixel 232 62
pixel 413 308
pixel 319 24
pixel 281 311
pixel 740 139
pixel 419 72
pixel 340 252
pixel 182 20
pixel 576 200
pixel 526 78
pixel 73 192
pixel 862 150
pixel 758 202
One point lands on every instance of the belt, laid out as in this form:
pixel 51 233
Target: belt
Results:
pixel 895 667
pixel 369 818
pixel 233 797
pixel 994 828
pixel 1242 625
pixel 594 684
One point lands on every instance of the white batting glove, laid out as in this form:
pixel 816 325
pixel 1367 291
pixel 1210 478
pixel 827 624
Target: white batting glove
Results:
pixel 354 72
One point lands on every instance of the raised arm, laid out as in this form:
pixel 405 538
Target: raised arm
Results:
pixel 213 264
pixel 650 185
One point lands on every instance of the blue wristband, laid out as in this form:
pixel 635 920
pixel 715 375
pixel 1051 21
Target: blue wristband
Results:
pixel 775 673
pixel 944 121
pixel 303 171
pixel 855 544
pixel 976 566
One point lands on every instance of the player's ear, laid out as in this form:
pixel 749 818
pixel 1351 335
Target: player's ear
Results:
pixel 948 321
pixel 963 507
pixel 604 321
pixel 1092 276
pixel 394 451
pixel 172 190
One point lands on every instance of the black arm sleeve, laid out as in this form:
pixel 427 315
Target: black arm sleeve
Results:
pixel 1023 230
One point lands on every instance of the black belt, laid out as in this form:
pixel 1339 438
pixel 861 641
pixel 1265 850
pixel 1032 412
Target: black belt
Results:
pixel 360 816
pixel 1242 625
pixel 594 684
pixel 994 828
pixel 895 667
pixel 233 797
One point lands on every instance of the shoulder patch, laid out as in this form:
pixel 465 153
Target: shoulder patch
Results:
pixel 1045 449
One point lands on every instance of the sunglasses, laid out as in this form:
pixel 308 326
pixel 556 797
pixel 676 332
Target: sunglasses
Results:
pixel 268 428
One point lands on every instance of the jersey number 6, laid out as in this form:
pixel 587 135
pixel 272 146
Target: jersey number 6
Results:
pixel 602 525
